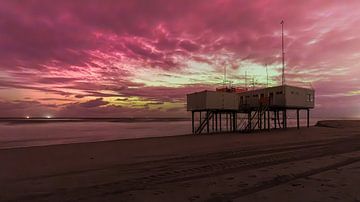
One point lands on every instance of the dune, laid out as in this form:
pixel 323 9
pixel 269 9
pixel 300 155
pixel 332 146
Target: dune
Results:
pixel 319 163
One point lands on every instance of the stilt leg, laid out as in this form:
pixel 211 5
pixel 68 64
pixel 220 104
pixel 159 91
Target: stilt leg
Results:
pixel 216 121
pixel 213 121
pixel 278 117
pixel 207 121
pixel 297 118
pixel 275 118
pixel 259 120
pixel 285 119
pixel 269 126
pixel 226 122
pixel 192 122
pixel 199 118
pixel 308 118
pixel 235 121
pixel 230 122
pixel 220 121
pixel 249 121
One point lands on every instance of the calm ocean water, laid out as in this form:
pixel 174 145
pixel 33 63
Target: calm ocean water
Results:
pixel 36 134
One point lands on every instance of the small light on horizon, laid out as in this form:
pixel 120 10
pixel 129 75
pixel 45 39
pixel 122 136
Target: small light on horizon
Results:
pixel 27 117
pixel 48 117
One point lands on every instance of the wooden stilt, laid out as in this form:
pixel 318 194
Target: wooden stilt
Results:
pixel 235 121
pixel 285 118
pixel 259 120
pixel 231 121
pixel 275 119
pixel 199 118
pixel 226 121
pixel 213 121
pixel 207 121
pixel 308 118
pixel 192 122
pixel 298 118
pixel 264 120
pixel 269 126
pixel 220 121
pixel 216 121
pixel 249 121
pixel 278 117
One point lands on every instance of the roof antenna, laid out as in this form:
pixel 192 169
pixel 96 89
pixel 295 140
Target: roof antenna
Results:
pixel 245 81
pixel 253 82
pixel 267 76
pixel 283 53
pixel 224 82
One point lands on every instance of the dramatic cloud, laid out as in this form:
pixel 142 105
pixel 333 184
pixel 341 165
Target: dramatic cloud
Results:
pixel 117 58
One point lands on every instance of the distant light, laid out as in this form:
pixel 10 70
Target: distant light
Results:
pixel 48 117
pixel 27 117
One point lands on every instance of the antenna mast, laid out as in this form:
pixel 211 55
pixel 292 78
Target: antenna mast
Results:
pixel 245 81
pixel 283 53
pixel 253 81
pixel 267 76
pixel 224 79
pixel 224 82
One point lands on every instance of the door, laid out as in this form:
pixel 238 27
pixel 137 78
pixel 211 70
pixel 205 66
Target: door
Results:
pixel 271 97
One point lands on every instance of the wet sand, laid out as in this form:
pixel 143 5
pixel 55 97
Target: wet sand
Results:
pixel 320 163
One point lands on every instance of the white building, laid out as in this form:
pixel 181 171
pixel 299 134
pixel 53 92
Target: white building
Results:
pixel 261 106
pixel 290 97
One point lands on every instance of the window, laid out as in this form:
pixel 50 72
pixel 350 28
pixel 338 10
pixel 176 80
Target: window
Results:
pixel 255 95
pixel 309 98
pixel 279 92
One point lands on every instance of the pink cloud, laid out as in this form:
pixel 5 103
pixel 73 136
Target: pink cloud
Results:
pixel 80 49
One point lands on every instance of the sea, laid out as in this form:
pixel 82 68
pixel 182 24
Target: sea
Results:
pixel 39 132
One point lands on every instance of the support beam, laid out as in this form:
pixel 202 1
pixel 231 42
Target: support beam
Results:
pixel 264 120
pixel 308 118
pixel 216 121
pixel 199 118
pixel 230 120
pixel 284 119
pixel 249 121
pixel 269 126
pixel 207 121
pixel 192 122
pixel 278 118
pixel 235 121
pixel 213 121
pixel 298 119
pixel 259 119
pixel 226 121
pixel 275 119
pixel 220 121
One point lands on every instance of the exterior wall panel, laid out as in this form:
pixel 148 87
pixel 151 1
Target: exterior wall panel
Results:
pixel 279 96
pixel 299 97
pixel 196 101
pixel 212 100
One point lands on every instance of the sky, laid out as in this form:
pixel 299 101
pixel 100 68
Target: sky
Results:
pixel 140 58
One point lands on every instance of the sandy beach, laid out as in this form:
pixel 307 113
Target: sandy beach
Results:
pixel 320 163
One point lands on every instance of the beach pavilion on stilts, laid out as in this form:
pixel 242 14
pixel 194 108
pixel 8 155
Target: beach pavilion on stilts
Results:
pixel 239 109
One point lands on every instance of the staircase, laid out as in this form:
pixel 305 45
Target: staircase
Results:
pixel 255 121
pixel 204 122
pixel 246 125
